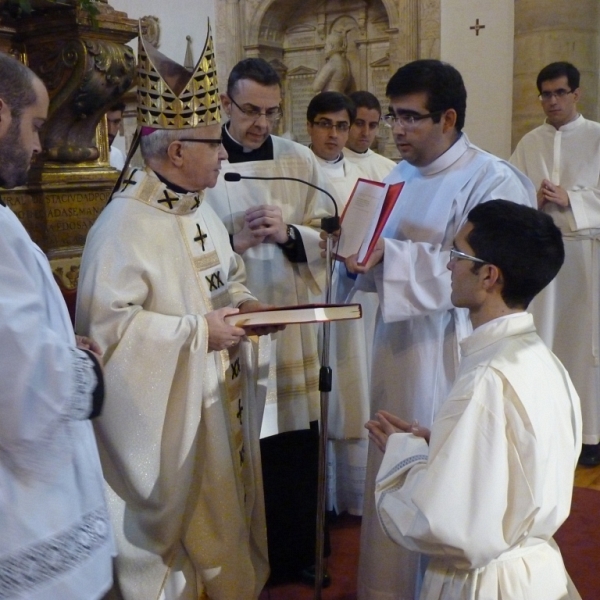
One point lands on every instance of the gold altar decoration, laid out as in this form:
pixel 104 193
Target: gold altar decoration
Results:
pixel 86 66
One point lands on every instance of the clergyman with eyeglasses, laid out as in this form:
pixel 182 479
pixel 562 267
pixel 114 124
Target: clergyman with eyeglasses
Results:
pixel 562 158
pixel 417 330
pixel 484 491
pixel 329 119
pixel 274 226
pixel 179 436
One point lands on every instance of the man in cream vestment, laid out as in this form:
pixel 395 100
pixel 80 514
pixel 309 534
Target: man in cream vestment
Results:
pixel 179 437
pixel 485 493
pixel 562 159
pixel 415 353
pixel 274 226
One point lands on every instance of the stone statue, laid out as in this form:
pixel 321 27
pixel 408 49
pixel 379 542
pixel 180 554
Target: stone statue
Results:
pixel 335 75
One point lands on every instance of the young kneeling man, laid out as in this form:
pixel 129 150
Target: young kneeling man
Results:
pixel 485 490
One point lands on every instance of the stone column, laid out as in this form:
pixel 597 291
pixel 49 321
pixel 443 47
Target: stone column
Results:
pixel 229 37
pixel 404 41
pixel 547 31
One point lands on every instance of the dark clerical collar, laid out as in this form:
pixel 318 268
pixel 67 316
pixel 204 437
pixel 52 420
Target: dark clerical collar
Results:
pixel 173 187
pixel 236 151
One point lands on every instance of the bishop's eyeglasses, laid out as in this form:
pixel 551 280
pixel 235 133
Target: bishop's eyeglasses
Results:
pixel 213 142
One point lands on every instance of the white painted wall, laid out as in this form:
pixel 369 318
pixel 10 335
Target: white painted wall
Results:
pixel 486 64
pixel 178 18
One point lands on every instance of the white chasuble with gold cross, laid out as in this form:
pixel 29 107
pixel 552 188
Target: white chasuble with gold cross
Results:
pixel 179 433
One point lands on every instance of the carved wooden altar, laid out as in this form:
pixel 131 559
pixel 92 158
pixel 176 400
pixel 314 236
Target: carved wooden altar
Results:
pixel 86 67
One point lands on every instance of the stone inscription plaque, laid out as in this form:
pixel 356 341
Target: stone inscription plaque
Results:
pixel 57 219
pixel 70 216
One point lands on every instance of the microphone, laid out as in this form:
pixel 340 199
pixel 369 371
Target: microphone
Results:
pixel 328 224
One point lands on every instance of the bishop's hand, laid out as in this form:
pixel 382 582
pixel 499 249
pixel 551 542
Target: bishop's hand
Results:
pixel 253 306
pixel 221 335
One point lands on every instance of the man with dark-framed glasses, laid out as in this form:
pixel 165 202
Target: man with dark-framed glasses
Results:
pixel 561 158
pixel 274 226
pixel 417 329
pixel 485 490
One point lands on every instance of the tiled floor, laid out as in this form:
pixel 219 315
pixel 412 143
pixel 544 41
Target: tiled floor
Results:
pixel 342 565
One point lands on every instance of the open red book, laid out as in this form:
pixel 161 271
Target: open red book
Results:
pixel 364 217
pixel 304 313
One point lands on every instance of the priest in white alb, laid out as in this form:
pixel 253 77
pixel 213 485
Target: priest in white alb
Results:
pixel 415 353
pixel 329 118
pixel 562 158
pixel 56 539
pixel 483 493
pixel 362 135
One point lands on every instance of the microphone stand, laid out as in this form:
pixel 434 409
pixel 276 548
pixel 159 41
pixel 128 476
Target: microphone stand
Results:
pixel 329 225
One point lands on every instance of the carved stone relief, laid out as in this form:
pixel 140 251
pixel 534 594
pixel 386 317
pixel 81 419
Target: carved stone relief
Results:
pixel 362 42
pixel 151 29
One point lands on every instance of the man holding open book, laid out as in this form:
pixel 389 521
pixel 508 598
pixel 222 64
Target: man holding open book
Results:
pixel 417 331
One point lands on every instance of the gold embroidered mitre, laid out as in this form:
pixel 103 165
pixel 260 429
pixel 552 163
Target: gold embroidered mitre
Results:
pixel 172 97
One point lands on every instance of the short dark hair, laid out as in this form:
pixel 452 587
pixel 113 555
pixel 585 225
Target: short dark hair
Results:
pixel 442 83
pixel 558 69
pixel 522 242
pixel 327 102
pixel 120 106
pixel 364 99
pixel 16 84
pixel 255 69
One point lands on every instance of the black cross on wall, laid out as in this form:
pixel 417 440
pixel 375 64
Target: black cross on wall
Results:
pixel 477 27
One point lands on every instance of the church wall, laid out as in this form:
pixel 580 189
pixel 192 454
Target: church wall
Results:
pixel 485 60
